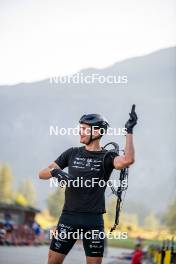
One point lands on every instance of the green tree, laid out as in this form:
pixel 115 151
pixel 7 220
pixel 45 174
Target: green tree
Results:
pixel 6 189
pixel 27 189
pixel 55 202
pixel 170 218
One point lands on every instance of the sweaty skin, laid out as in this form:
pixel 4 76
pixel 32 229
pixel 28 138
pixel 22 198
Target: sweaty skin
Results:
pixel 121 162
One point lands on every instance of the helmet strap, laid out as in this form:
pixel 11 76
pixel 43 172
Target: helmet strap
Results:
pixel 92 139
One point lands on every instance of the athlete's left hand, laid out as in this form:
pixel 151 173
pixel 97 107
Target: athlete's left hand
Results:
pixel 132 121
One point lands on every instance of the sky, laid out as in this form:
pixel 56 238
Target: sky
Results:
pixel 45 38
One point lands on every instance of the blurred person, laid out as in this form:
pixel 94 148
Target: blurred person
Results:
pixel 2 233
pixel 8 225
pixel 37 231
pixel 137 255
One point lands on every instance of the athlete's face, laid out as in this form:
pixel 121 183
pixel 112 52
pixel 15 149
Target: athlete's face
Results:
pixel 85 132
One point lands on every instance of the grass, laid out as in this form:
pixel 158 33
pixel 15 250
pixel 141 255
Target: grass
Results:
pixel 129 243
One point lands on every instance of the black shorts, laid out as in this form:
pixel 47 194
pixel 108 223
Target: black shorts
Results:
pixel 68 232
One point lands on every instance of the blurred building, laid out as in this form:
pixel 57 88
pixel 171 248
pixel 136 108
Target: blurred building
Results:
pixel 18 214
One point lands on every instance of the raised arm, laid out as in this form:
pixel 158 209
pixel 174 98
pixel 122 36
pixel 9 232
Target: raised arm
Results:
pixel 121 162
pixel 128 158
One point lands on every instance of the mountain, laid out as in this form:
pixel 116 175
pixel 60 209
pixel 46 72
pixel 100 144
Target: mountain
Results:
pixel 27 111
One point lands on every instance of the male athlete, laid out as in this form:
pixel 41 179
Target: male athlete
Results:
pixel 84 206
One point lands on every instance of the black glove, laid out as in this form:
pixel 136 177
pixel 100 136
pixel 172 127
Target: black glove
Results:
pixel 62 176
pixel 132 121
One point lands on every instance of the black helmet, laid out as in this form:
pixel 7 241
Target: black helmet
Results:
pixel 94 120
